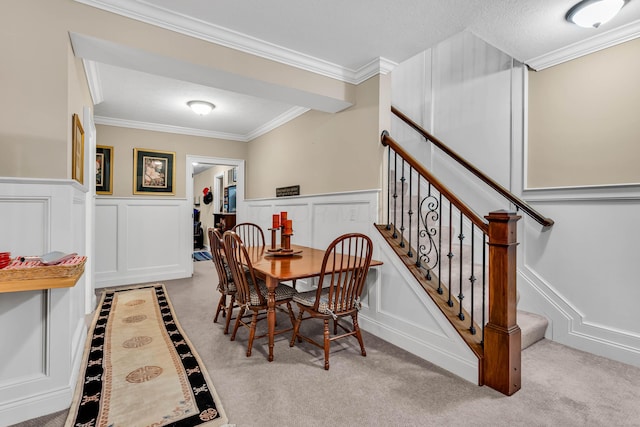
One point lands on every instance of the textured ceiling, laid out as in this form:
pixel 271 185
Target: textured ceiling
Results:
pixel 332 34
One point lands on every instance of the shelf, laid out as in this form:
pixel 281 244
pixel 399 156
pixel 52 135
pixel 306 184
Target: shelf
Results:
pixel 29 275
pixel 20 285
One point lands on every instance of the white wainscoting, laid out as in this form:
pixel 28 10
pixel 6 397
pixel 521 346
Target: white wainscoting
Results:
pixel 395 307
pixel 43 332
pixel 141 240
pixel 582 274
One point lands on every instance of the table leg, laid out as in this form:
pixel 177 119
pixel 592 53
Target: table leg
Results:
pixel 272 283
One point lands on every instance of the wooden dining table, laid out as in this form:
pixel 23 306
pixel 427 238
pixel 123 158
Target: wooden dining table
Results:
pixel 274 268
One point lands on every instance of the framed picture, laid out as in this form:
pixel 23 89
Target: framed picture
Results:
pixel 104 169
pixel 153 171
pixel 232 175
pixel 77 150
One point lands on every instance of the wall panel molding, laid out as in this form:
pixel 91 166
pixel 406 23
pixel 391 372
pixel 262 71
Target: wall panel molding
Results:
pixel 141 240
pixel 40 353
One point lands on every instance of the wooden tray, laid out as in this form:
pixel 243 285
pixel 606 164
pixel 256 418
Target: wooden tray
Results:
pixel 283 254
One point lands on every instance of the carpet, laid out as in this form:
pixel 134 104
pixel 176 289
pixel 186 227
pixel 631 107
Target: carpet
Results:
pixel 140 369
pixel 201 256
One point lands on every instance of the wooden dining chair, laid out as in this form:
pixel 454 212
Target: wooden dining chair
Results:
pixel 226 286
pixel 251 291
pixel 344 272
pixel 250 233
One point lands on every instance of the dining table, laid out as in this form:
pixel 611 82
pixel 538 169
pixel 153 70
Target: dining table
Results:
pixel 274 267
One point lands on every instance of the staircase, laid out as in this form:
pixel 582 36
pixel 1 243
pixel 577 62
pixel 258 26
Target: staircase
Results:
pixel 465 263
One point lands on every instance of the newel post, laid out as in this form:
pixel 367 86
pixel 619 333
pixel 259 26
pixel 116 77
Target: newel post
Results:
pixel 502 337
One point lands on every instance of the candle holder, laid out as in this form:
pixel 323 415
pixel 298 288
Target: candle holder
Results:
pixel 286 243
pixel 273 241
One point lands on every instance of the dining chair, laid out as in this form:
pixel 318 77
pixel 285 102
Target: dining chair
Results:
pixel 344 272
pixel 251 291
pixel 226 286
pixel 250 233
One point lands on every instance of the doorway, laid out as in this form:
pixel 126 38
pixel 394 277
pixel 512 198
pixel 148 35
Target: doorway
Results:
pixel 217 178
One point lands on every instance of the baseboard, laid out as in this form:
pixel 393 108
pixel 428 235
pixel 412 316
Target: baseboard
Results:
pixel 133 279
pixel 50 400
pixel 446 360
pixel 568 326
pixel 47 402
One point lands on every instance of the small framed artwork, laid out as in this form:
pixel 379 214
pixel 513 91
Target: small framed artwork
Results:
pixel 104 169
pixel 153 171
pixel 232 175
pixel 77 150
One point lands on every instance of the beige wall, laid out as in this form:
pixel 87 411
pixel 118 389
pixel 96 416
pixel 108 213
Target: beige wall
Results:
pixel 323 152
pixel 124 140
pixel 583 120
pixel 35 106
pixel 35 134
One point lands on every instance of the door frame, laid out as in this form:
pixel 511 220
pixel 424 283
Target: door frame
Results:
pixel 188 214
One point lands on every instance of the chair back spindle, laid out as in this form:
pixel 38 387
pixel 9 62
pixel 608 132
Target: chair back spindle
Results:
pixel 250 234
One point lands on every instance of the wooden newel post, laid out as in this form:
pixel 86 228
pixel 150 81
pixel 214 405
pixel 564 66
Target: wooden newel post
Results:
pixel 502 337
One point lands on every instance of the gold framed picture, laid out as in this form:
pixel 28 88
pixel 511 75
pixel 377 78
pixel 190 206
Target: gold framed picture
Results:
pixel 153 171
pixel 104 169
pixel 77 150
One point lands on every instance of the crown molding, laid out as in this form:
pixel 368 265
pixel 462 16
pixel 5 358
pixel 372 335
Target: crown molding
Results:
pixel 278 121
pixel 585 47
pixel 261 130
pixel 373 68
pixel 93 80
pixel 109 121
pixel 161 17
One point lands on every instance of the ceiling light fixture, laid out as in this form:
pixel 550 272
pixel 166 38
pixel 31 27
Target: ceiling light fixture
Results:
pixel 593 13
pixel 201 107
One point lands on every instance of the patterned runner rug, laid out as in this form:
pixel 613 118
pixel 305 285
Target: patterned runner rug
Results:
pixel 202 256
pixel 140 368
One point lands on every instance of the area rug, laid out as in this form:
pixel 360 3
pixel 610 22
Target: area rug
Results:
pixel 140 369
pixel 201 256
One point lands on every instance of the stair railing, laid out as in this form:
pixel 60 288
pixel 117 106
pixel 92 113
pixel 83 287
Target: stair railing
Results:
pixel 519 203
pixel 446 269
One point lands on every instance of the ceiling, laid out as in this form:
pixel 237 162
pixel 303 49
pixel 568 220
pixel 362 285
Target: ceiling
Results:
pixel 348 40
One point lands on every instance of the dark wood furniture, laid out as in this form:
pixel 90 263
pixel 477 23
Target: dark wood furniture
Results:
pixel 250 292
pixel 343 275
pixel 274 269
pixel 226 286
pixel 224 221
pixel 250 233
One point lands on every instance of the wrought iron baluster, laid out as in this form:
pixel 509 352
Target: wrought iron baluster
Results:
pixel 388 188
pixel 440 291
pixel 461 294
pixel 472 279
pixel 402 180
pixel 428 251
pixel 450 254
pixel 484 283
pixel 410 253
pixel 395 195
pixel 418 262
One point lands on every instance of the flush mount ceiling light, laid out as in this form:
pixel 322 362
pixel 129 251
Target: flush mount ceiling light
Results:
pixel 201 107
pixel 593 13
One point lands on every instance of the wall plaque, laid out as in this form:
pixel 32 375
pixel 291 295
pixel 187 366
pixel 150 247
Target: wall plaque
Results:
pixel 292 190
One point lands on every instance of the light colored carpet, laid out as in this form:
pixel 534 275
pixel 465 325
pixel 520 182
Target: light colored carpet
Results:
pixel 390 387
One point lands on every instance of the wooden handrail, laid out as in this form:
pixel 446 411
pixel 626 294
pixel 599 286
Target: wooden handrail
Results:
pixel 521 204
pixel 386 140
